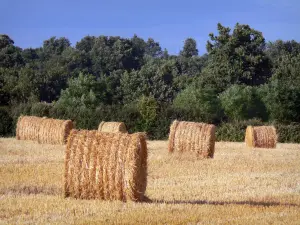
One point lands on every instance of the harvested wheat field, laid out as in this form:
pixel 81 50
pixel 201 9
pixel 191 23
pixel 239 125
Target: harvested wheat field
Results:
pixel 238 186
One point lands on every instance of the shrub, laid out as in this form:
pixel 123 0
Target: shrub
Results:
pixel 41 109
pixel 6 123
pixel 288 133
pixel 199 104
pixel 282 101
pixel 147 107
pixel 242 102
pixel 234 131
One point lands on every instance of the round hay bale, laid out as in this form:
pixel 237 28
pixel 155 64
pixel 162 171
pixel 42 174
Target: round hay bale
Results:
pixel 192 137
pixel 43 130
pixel 54 131
pixel 261 137
pixel 249 137
pixel 106 166
pixel 28 128
pixel 112 127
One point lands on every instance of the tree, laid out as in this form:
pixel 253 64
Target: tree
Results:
pixel 242 102
pixel 155 79
pixel 200 103
pixel 82 91
pixel 282 95
pixel 189 48
pixel 153 48
pixel 55 46
pixel 5 41
pixel 10 55
pixel 236 58
pixel 276 50
pixel 86 44
pixel 147 107
pixel 18 85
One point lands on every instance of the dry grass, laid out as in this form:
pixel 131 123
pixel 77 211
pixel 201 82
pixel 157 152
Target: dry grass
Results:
pixel 197 138
pixel 112 127
pixel 238 186
pixel 261 136
pixel 107 166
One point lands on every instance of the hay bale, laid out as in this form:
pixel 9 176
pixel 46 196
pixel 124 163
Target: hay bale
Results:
pixel 28 128
pixel 193 137
pixel 44 130
pixel 112 127
pixel 261 137
pixel 54 131
pixel 106 166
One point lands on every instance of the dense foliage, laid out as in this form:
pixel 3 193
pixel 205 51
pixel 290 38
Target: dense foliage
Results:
pixel 241 80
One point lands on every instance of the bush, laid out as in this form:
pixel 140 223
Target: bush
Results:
pixel 288 133
pixel 6 122
pixel 147 107
pixel 41 109
pixel 242 102
pixel 282 101
pixel 16 112
pixel 199 103
pixel 234 131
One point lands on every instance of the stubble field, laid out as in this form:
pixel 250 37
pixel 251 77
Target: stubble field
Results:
pixel 239 186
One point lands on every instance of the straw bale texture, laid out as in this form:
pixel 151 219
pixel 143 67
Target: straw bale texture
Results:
pixel 53 131
pixel 194 137
pixel 261 137
pixel 106 166
pixel 28 128
pixel 44 130
pixel 112 127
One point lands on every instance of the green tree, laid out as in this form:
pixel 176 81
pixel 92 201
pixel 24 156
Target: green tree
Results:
pixel 147 107
pixel 55 46
pixel 282 95
pixel 155 79
pixel 242 102
pixel 279 48
pixel 86 44
pixel 82 92
pixel 5 41
pixel 19 84
pixel 153 49
pixel 236 58
pixel 199 103
pixel 10 55
pixel 189 48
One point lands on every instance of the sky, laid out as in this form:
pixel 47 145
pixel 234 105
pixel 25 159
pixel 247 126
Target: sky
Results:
pixel 170 22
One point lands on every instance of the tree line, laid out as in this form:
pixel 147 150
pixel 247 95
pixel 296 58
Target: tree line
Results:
pixel 241 77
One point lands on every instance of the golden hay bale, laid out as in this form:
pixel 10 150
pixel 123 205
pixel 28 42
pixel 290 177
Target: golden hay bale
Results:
pixel 261 137
pixel 44 130
pixel 194 137
pixel 28 128
pixel 54 131
pixel 112 127
pixel 106 166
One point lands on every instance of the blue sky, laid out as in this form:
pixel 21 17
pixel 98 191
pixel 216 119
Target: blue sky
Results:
pixel 30 22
